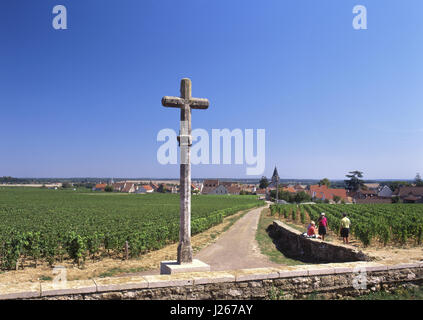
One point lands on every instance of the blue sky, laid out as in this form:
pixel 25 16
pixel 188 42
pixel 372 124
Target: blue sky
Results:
pixel 86 101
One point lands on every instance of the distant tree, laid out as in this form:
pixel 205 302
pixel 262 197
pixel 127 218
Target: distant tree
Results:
pixel 282 195
pixel 396 199
pixel 162 188
pixel 418 180
pixel 10 180
pixel 302 197
pixel 336 198
pixel 66 185
pixel 325 182
pixel 354 183
pixel 291 197
pixel 394 185
pixel 264 183
pixel 108 188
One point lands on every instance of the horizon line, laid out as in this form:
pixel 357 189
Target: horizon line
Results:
pixel 202 178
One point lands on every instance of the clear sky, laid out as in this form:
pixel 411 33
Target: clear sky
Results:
pixel 86 101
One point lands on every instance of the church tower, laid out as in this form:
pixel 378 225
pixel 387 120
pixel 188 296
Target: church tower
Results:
pixel 275 181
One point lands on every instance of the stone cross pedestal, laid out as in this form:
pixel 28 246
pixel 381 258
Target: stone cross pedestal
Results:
pixel 184 258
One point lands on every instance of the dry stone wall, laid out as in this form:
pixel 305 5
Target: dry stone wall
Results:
pixel 331 280
pixel 293 245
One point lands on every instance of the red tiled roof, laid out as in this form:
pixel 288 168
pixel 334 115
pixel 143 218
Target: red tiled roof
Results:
pixel 100 186
pixel 289 189
pixel 323 191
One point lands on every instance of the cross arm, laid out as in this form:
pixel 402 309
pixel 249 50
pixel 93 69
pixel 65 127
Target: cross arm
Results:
pixel 199 103
pixel 176 102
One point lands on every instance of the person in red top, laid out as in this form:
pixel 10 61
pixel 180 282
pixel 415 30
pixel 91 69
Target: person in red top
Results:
pixel 311 232
pixel 323 224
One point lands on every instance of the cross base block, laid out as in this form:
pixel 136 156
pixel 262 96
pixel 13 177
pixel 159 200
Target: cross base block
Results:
pixel 172 267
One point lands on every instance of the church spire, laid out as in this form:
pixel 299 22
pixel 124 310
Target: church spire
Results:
pixel 275 182
pixel 275 176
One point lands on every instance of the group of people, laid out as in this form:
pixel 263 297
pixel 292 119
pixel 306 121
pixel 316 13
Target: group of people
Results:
pixel 322 222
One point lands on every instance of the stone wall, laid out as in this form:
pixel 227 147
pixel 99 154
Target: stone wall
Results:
pixel 332 280
pixel 293 245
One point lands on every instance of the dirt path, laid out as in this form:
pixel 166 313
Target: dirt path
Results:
pixel 237 248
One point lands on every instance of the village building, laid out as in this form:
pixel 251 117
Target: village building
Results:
pixel 124 186
pixel 275 180
pixel 299 187
pixel 234 190
pixel 220 189
pixel 210 183
pixel 364 194
pixel 385 192
pixel 174 189
pixel 118 186
pixel 155 186
pixel 372 186
pixel 322 192
pixel 210 186
pixel 410 194
pixel 214 186
pixel 249 188
pixel 129 188
pixel 289 189
pixel 100 187
pixel 144 189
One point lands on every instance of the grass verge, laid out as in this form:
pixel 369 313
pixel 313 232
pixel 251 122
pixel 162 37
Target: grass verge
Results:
pixel 267 247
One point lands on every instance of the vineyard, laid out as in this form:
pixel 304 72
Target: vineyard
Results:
pixel 384 223
pixel 52 225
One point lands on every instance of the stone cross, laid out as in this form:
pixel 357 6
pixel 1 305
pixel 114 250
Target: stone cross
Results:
pixel 185 103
